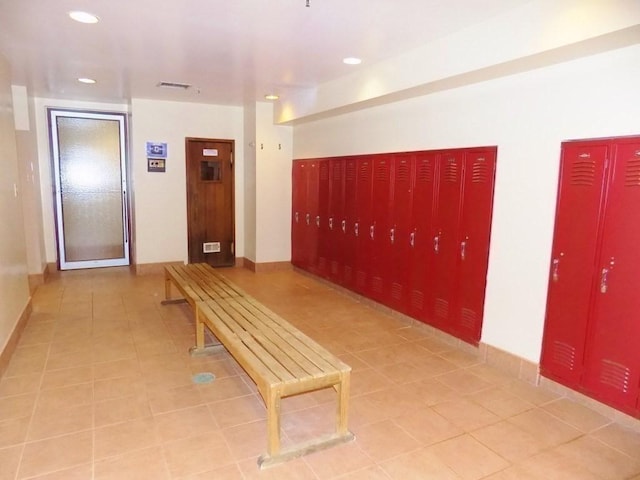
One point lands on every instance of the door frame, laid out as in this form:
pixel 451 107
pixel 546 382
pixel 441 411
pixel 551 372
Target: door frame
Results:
pixel 187 142
pixel 52 114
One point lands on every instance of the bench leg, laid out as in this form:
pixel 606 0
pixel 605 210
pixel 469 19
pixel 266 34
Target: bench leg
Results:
pixel 199 331
pixel 167 287
pixel 342 390
pixel 273 423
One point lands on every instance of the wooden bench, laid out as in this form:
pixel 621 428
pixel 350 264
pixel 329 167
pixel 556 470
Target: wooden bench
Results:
pixel 280 359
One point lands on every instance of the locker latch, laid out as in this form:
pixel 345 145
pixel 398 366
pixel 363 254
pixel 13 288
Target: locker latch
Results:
pixel 392 235
pixel 318 221
pixel 604 276
pixel 463 248
pixel 555 275
pixel 436 242
pixel 412 239
pixel 355 229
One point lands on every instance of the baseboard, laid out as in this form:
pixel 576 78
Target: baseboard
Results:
pixel 266 267
pixel 14 338
pixel 35 280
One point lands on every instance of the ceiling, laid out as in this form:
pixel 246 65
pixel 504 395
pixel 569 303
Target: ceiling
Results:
pixel 231 51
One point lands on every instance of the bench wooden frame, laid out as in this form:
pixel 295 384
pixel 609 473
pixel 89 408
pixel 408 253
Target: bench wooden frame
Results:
pixel 280 359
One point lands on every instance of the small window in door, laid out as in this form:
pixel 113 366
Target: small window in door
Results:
pixel 210 171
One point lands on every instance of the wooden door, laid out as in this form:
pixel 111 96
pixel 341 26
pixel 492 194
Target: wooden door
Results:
pixel 574 252
pixel 473 242
pixel 210 201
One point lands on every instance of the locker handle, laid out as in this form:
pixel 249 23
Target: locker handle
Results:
pixel 436 243
pixel 318 221
pixel 392 235
pixel 355 229
pixel 412 239
pixel 297 215
pixel 308 218
pixel 330 223
pixel 604 276
pixel 463 248
pixel 344 226
pixel 556 268
pixel 371 231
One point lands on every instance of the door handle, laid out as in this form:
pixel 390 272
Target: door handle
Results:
pixel 436 243
pixel 297 215
pixel 330 223
pixel 463 248
pixel 355 229
pixel 318 221
pixel 604 276
pixel 371 231
pixel 412 239
pixel 344 226
pixel 392 235
pixel 308 217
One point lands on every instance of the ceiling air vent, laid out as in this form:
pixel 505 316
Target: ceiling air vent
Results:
pixel 183 86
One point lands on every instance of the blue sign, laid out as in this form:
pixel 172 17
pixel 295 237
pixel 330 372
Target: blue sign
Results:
pixel 156 150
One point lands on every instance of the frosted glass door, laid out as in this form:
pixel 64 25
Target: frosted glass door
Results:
pixel 89 156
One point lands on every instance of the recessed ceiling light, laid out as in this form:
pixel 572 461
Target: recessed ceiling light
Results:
pixel 352 61
pixel 86 80
pixel 176 85
pixel 83 17
pixel 271 96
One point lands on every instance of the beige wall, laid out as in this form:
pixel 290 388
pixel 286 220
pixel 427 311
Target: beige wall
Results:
pixel 14 288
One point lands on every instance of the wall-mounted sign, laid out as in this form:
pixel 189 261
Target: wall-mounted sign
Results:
pixel 156 150
pixel 156 165
pixel 209 152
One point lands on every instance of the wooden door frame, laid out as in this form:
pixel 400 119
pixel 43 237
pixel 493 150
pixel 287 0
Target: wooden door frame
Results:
pixel 231 142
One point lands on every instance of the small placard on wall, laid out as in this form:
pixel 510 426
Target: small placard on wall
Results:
pixel 209 152
pixel 156 150
pixel 156 165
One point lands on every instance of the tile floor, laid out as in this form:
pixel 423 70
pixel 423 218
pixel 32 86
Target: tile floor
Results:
pixel 101 387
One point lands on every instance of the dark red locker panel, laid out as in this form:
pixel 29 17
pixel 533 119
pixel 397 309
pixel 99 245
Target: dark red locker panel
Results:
pixel 379 232
pixel 399 231
pixel 473 241
pixel 311 235
pixel 348 240
pixel 298 207
pixel 322 219
pixel 336 205
pixel 362 223
pixel 444 248
pixel 421 233
pixel 612 365
pixel 580 199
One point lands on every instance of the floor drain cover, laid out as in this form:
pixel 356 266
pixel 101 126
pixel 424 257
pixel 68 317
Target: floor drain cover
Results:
pixel 205 377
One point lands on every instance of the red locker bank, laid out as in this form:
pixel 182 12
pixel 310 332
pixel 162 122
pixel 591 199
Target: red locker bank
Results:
pixel 593 308
pixel 409 230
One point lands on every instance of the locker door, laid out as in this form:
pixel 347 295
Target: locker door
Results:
pixel 379 229
pixel 311 229
pixel 400 225
pixel 473 242
pixel 298 203
pixel 362 223
pixel 582 169
pixel 348 221
pixel 336 204
pixel 421 235
pixel 444 251
pixel 612 367
pixel 322 219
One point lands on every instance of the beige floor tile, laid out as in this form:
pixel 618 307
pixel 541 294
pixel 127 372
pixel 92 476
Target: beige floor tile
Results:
pixel 184 423
pixel 369 380
pixel 581 417
pixel 126 437
pixel 340 460
pixel 621 438
pixel 465 414
pixel 175 399
pixel 14 431
pixel 369 473
pixel 427 426
pixel 551 465
pixel 302 425
pixel 17 406
pixel 148 464
pixel 80 472
pixel 228 472
pixel 70 359
pixel 229 413
pixel 384 440
pixel 58 453
pixel 545 427
pixel 116 387
pixel 531 393
pixel 197 454
pixel 418 465
pixel 501 401
pixel 600 459
pixel 121 409
pixel 293 470
pixel 51 421
pixel 67 376
pixel 509 441
pixel 10 460
pixel 224 388
pixel 20 384
pixel 79 394
pixel 463 382
pixel 248 440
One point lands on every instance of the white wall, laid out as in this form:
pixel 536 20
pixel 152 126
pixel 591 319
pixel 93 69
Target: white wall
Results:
pixel 14 287
pixel 527 116
pixel 250 247
pixel 160 199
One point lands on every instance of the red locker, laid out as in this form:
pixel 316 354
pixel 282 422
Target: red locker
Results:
pixel 322 219
pixel 362 222
pixel 400 231
pixel 445 240
pixel 421 233
pixel 298 204
pixel 311 235
pixel 336 206
pixel 349 214
pixel 379 230
pixel 473 242
pixel 612 364
pixel 580 200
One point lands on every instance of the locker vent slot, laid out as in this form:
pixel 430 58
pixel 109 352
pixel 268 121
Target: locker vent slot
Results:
pixel 425 172
pixel 334 267
pixel 441 308
pixel 348 273
pixel 337 174
pixel 322 263
pixel 615 375
pixel 451 172
pixel 376 284
pixel 363 173
pixel 361 279
pixel 382 172
pixel 632 173
pixel 324 171
pixel 417 299
pixel 583 172
pixel 468 318
pixel 351 172
pixel 396 291
pixel 564 354
pixel 480 172
pixel 402 172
